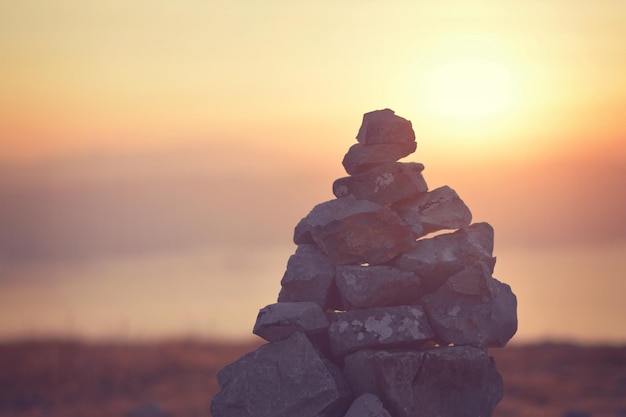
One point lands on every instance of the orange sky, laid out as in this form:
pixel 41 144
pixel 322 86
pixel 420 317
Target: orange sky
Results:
pixel 108 108
pixel 119 74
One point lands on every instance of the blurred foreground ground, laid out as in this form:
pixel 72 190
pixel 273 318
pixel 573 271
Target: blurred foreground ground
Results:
pixel 53 378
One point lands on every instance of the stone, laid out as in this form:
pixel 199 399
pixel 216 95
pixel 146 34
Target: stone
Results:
pixel 400 326
pixel 310 276
pixel 376 286
pixel 472 308
pixel 278 321
pixel 383 126
pixel 288 378
pixel 459 381
pixel 302 233
pixel 439 209
pixel 384 184
pixel 361 158
pixel 367 405
pixel 436 259
pixel 352 231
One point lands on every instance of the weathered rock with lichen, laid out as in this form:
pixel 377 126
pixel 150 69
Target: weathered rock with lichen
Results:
pixel 435 210
pixel 351 231
pixel 361 158
pixel 278 321
pixel 288 378
pixel 384 184
pixel 310 275
pixel 472 308
pixel 435 259
pixel 384 126
pixel 459 381
pixel 401 326
pixel 376 286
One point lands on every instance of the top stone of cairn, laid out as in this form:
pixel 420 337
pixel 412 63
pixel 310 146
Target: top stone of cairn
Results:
pixel 383 126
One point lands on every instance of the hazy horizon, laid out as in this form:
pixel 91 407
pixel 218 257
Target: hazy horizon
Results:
pixel 155 157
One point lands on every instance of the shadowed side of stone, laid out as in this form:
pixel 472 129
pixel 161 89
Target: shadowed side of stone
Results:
pixel 459 381
pixel 436 259
pixel 472 308
pixel 289 378
pixel 435 210
pixel 367 405
pixel 384 184
pixel 361 158
pixel 278 321
pixel 352 231
pixel 376 286
pixel 309 276
pixel 384 126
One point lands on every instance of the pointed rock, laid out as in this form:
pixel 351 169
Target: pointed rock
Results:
pixel 436 259
pixel 472 308
pixel 376 286
pixel 280 320
pixel 310 276
pixel 460 381
pixel 383 126
pixel 402 326
pixel 384 184
pixel 354 231
pixel 367 405
pixel 288 378
pixel 439 209
pixel 361 158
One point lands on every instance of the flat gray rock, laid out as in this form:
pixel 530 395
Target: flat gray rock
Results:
pixel 472 308
pixel 376 286
pixel 384 184
pixel 436 259
pixel 288 378
pixel 352 231
pixel 310 276
pixel 383 126
pixel 439 209
pixel 400 326
pixel 459 381
pixel 280 320
pixel 361 158
pixel 367 405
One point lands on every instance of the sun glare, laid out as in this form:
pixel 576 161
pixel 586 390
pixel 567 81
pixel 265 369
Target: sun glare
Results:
pixel 469 90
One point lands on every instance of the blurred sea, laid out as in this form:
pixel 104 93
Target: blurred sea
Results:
pixel 564 294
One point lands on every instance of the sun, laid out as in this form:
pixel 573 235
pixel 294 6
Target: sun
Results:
pixel 469 90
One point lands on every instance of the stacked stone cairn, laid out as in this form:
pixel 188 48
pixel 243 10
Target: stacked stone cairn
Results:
pixel 374 317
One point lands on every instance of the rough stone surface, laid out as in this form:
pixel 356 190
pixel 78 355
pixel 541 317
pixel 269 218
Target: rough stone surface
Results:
pixel 310 276
pixel 354 231
pixel 281 379
pixel 280 320
pixel 384 184
pixel 435 210
pixel 367 405
pixel 361 158
pixel 460 381
pixel 472 308
pixel 383 126
pixel 376 286
pixel 435 259
pixel 401 326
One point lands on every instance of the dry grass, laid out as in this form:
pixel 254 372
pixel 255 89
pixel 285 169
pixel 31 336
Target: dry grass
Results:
pixel 59 378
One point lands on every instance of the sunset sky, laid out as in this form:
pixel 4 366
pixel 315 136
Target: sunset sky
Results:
pixel 156 155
